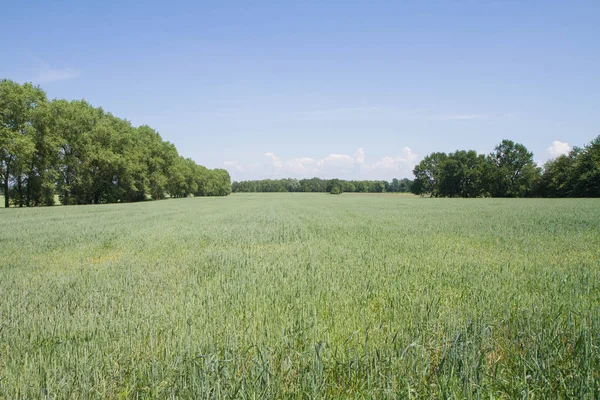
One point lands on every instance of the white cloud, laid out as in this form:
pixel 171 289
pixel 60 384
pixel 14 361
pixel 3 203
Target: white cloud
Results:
pixel 385 163
pixel 336 160
pixel 359 156
pixel 335 166
pixel 406 161
pixel 461 117
pixel 275 160
pixel 301 166
pixel 331 166
pixel 558 148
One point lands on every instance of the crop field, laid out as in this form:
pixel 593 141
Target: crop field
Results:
pixel 302 296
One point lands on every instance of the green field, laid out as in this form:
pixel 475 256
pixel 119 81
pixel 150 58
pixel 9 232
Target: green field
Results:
pixel 302 296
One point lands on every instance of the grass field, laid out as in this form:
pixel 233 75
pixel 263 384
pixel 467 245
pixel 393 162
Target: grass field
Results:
pixel 302 296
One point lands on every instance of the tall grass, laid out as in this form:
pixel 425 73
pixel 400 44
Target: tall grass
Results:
pixel 302 296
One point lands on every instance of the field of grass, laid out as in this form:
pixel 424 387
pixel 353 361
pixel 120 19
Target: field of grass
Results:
pixel 302 296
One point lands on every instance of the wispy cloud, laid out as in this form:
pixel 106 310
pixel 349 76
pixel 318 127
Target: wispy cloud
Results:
pixel 45 73
pixel 461 117
pixel 234 165
pixel 304 115
pixel 339 112
pixel 275 160
pixel 55 75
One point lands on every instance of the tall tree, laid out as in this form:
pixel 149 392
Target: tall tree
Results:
pixel 17 135
pixel 586 171
pixel 427 174
pixel 43 167
pixel 464 174
pixel 558 176
pixel 516 173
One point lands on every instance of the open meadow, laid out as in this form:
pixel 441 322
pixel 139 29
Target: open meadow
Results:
pixel 302 296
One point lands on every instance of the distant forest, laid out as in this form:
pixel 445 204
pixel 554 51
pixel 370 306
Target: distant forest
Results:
pixel 86 155
pixel 315 185
pixel 509 171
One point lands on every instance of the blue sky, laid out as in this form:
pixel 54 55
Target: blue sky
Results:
pixel 321 88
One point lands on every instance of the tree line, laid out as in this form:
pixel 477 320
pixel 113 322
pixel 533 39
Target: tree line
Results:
pixel 509 171
pixel 316 185
pixel 88 156
pixel 576 174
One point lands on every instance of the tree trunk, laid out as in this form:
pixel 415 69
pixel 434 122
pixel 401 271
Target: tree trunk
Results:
pixel 6 196
pixel 68 190
pixel 28 189
pixel 20 190
pixel 28 194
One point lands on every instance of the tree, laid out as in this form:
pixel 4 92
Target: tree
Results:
pixel 72 123
pixel 427 174
pixel 335 186
pixel 362 186
pixel 464 174
pixel 516 173
pixel 405 185
pixel 558 176
pixel 41 173
pixel 586 171
pixel 17 135
pixel 87 156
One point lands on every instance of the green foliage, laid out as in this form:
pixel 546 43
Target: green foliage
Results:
pixel 576 174
pixel 427 174
pixel 316 185
pixel 335 186
pixel 302 296
pixel 18 138
pixel 400 186
pixel 515 174
pixel 508 172
pixel 88 156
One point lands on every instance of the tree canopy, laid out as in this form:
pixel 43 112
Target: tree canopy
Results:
pixel 576 174
pixel 85 155
pixel 509 171
pixel 314 185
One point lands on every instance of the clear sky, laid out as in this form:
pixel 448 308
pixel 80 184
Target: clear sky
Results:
pixel 321 88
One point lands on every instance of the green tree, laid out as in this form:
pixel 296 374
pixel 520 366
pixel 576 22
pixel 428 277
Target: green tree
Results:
pixel 427 174
pixel 335 186
pixel 558 178
pixel 72 123
pixel 516 173
pixel 464 174
pixel 17 136
pixel 42 170
pixel 586 171
pixel 362 186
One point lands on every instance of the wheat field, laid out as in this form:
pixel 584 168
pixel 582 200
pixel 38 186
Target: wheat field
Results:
pixel 302 296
